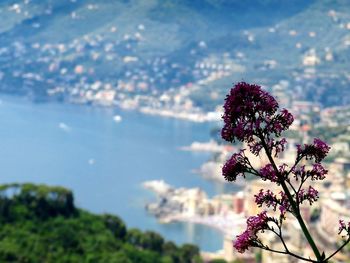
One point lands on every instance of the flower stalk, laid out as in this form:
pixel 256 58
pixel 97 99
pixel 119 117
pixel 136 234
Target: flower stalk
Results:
pixel 296 210
pixel 252 115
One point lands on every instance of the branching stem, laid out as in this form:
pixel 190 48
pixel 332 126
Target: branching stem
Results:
pixel 292 202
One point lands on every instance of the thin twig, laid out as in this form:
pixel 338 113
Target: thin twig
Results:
pixel 290 253
pixel 340 248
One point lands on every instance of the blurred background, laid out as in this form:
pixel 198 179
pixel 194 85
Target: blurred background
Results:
pixel 120 101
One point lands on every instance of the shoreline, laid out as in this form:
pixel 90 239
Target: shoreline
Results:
pixel 225 227
pixel 191 205
pixel 192 116
pixel 182 115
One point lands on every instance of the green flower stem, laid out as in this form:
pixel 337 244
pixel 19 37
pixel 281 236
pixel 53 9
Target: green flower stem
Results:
pixel 293 204
pixel 302 223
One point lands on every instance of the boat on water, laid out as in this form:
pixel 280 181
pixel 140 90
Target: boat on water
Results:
pixel 117 118
pixel 63 126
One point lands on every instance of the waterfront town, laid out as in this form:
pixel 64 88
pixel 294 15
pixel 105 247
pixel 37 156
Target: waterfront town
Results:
pixel 228 212
pixel 125 66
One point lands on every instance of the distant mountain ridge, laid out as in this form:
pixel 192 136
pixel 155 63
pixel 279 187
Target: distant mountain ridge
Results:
pixel 153 45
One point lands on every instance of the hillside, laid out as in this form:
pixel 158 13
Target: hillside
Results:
pixel 41 224
pixel 82 51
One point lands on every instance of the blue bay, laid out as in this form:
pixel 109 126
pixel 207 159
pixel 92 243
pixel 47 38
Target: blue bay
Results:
pixel 105 162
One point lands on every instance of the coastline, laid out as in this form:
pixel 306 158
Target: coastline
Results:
pixel 192 205
pixel 226 225
pixel 183 115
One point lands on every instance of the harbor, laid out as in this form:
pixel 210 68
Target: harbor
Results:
pixel 223 212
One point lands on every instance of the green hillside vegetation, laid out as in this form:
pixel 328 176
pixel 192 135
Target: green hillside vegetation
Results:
pixel 147 47
pixel 329 84
pixel 41 224
pixel 170 31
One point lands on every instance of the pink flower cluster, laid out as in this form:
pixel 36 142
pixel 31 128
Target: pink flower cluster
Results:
pixel 344 227
pixel 277 146
pixel 318 172
pixel 311 195
pixel 279 123
pixel 268 173
pixel 249 237
pixel 318 150
pixel 249 111
pixel 269 199
pixel 235 166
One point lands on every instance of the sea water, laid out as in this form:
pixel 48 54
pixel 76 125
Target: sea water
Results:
pixel 105 162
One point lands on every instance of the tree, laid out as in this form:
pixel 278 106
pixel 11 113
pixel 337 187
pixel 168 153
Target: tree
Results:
pixel 41 224
pixel 134 237
pixel 116 225
pixel 188 252
pixel 219 260
pixel 171 250
pixel 152 241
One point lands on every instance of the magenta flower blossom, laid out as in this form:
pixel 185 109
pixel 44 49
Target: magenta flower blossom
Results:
pixel 284 205
pixel 280 122
pixel 249 237
pixel 258 222
pixel 318 150
pixel 255 147
pixel 299 172
pixel 276 146
pixel 284 120
pixel 268 198
pixel 246 109
pixel 268 173
pixel 311 195
pixel 344 227
pixel 318 172
pixel 279 146
pixel 235 166
pixel 244 241
pixel 249 113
